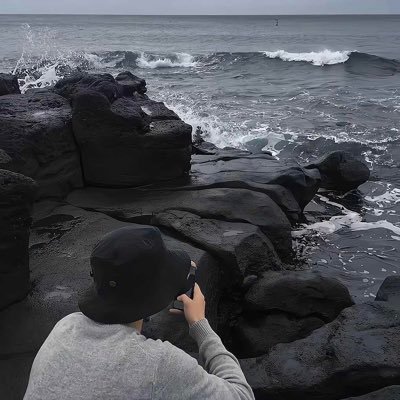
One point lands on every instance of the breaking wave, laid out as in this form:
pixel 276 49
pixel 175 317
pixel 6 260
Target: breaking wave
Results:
pixel 178 60
pixel 325 57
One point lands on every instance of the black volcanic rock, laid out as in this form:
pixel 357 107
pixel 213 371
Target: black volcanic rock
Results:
pixel 387 393
pixel 36 134
pixel 353 355
pixel 232 205
pixel 243 248
pixel 341 171
pixel 285 306
pixel 260 169
pixel 157 110
pixel 101 83
pixel 8 84
pixel 299 293
pixel 16 199
pixel 390 290
pixel 119 146
pixel 131 83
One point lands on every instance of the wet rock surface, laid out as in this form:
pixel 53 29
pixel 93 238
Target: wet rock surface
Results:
pixel 16 199
pixel 8 84
pixel 287 305
pixel 341 171
pixel 353 355
pixel 234 205
pixel 120 146
pixel 244 249
pixel 36 134
pixel 390 291
pixel 388 393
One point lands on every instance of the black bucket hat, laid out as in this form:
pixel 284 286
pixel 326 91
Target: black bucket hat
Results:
pixel 135 276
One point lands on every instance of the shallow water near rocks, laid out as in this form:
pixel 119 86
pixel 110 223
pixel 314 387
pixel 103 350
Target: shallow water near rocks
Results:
pixel 304 88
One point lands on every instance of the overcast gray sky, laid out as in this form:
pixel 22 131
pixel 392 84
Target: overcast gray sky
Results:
pixel 199 6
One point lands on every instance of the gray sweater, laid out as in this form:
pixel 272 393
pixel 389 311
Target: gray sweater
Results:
pixel 84 360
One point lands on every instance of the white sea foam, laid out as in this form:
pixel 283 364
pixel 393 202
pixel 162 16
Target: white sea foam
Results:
pixel 391 196
pixel 325 57
pixel 349 219
pixel 181 60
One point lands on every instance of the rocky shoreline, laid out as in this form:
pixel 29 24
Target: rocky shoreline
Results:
pixel 95 153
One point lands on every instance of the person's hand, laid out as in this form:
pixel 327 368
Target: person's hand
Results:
pixel 194 309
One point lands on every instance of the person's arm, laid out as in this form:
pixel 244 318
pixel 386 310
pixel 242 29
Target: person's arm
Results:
pixel 181 377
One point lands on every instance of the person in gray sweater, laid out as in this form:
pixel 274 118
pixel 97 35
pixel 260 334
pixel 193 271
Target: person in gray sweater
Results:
pixel 99 353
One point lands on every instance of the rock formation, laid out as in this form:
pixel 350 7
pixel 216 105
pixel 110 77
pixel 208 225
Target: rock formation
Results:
pixel 8 84
pixel 104 155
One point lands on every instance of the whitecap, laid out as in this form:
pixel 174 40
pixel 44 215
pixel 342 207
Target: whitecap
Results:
pixel 325 57
pixel 181 60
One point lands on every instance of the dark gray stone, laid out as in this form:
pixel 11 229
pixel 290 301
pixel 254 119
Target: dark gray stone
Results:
pixel 387 393
pixel 36 134
pixel 285 306
pixel 9 84
pixel 16 199
pixel 390 290
pixel 298 293
pixel 341 171
pixel 261 169
pixel 232 205
pixel 256 334
pixel 157 111
pixel 243 248
pixel 119 147
pixel 131 83
pixel 353 355
pixel 101 83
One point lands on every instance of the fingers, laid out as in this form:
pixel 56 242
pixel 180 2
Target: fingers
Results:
pixel 175 311
pixel 184 298
pixel 197 293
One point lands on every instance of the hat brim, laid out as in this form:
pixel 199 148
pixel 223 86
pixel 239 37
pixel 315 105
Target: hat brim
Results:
pixel 111 311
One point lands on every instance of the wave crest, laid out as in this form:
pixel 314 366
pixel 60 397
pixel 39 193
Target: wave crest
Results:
pixel 179 60
pixel 325 57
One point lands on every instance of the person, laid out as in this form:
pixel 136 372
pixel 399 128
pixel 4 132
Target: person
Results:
pixel 99 352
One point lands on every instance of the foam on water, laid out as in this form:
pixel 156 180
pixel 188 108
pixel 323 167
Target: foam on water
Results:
pixel 348 219
pixel 181 60
pixel 325 57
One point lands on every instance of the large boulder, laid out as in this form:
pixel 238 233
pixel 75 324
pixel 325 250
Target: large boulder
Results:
pixel 101 83
pixel 119 146
pixel 131 83
pixel 242 247
pixel 157 111
pixel 355 354
pixel 37 140
pixel 232 205
pixel 9 84
pixel 390 290
pixel 299 293
pixel 16 199
pixel 387 393
pixel 341 171
pixel 285 306
pixel 255 169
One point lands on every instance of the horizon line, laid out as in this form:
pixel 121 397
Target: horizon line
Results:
pixel 207 15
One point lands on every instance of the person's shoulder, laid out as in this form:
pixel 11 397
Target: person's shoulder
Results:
pixel 70 320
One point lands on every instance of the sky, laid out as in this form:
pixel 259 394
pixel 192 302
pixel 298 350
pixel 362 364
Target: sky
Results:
pixel 172 7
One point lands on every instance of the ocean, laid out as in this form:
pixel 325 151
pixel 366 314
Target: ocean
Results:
pixel 298 86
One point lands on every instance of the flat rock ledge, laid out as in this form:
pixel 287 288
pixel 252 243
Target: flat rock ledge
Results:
pixel 95 153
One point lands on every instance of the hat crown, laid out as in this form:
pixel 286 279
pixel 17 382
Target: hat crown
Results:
pixel 127 259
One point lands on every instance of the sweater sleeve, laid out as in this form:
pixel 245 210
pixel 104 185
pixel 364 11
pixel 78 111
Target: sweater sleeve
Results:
pixel 181 377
